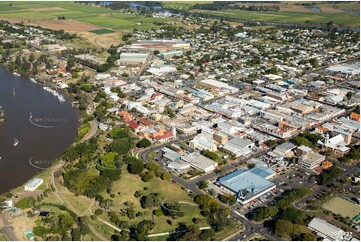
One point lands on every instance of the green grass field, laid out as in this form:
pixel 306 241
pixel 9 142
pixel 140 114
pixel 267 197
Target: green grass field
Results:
pixel 289 17
pixel 102 31
pixel 129 184
pixel 343 207
pixel 30 12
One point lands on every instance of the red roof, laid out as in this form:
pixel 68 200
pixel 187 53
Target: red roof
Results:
pixel 166 134
pixel 145 122
pixel 133 125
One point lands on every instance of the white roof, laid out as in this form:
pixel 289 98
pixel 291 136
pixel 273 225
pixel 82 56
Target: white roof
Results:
pixel 304 148
pixel 326 229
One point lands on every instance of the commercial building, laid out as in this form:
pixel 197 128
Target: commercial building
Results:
pixel 200 162
pixel 201 142
pixel 328 231
pixel 169 54
pixel 133 58
pixel 218 86
pixel 239 147
pixel 33 184
pixel 308 158
pixel 248 185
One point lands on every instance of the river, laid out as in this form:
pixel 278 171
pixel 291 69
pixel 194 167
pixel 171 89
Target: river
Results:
pixel 41 138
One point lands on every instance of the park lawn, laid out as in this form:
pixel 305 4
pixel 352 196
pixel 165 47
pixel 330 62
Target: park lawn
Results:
pixel 103 229
pixel 80 203
pixel 128 184
pixel 230 230
pixel 3 237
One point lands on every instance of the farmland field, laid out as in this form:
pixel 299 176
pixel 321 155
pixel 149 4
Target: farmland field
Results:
pixel 343 207
pixel 288 17
pixel 37 12
pixel 102 31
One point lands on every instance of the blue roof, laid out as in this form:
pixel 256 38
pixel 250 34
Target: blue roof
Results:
pixel 247 184
pixel 262 172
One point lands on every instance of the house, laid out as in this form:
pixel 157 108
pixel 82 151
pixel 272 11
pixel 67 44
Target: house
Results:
pixel 145 123
pixel 201 142
pixel 134 126
pixel 33 184
pixel 355 116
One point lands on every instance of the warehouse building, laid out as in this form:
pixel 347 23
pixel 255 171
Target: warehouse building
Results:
pixel 133 58
pixel 328 231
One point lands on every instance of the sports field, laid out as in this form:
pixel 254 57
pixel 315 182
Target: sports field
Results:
pixel 343 207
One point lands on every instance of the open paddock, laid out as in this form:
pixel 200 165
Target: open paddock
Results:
pixel 67 25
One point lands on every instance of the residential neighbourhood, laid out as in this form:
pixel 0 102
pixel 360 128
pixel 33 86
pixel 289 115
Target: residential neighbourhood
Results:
pixel 261 120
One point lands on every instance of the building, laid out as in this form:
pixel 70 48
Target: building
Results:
pixel 133 58
pixel 285 149
pixel 200 162
pixel 328 231
pixel 159 44
pixel 201 142
pixel 170 155
pixel 336 143
pixel 239 147
pixel 220 137
pixel 170 54
pixel 217 85
pixel 248 185
pixel 308 158
pixel 33 184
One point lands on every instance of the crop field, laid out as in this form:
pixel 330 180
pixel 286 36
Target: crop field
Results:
pixel 343 207
pixel 102 31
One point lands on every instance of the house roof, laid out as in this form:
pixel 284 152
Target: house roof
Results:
pixel 133 125
pixel 355 116
pixel 146 122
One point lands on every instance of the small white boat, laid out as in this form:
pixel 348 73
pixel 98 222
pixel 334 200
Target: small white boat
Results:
pixel 16 74
pixel 16 142
pixel 33 80
pixel 13 92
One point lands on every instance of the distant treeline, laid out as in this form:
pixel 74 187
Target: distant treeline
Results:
pixel 231 5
